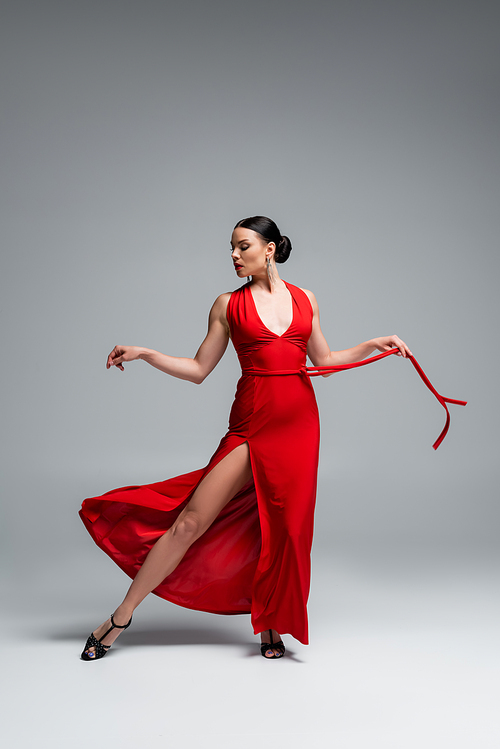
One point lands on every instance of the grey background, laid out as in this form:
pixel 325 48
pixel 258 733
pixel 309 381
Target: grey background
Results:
pixel 134 136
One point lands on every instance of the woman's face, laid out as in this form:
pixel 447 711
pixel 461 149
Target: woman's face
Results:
pixel 249 252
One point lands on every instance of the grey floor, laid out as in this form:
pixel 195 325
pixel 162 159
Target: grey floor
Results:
pixel 404 654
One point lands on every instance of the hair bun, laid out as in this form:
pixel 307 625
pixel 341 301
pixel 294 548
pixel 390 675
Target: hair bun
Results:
pixel 283 250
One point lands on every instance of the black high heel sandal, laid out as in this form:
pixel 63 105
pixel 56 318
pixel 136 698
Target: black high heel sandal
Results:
pixel 100 649
pixel 279 646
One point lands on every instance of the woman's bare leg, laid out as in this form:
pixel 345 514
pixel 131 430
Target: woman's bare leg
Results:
pixel 213 493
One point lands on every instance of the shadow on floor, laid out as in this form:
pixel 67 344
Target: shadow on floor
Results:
pixel 158 636
pixel 167 636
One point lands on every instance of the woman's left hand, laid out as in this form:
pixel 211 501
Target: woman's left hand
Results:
pixel 392 341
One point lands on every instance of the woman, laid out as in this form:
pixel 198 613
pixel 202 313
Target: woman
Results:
pixel 235 537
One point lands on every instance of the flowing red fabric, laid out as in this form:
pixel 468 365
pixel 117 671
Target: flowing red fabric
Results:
pixel 255 557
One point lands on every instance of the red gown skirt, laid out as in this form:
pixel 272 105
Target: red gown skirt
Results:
pixel 255 557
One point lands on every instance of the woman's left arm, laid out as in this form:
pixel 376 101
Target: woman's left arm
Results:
pixel 320 354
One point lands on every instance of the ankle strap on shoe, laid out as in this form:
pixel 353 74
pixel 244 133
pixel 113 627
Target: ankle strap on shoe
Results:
pixel 120 626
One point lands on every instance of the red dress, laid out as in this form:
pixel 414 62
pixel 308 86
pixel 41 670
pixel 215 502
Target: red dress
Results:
pixel 255 557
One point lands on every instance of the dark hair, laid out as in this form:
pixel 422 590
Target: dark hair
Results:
pixel 270 233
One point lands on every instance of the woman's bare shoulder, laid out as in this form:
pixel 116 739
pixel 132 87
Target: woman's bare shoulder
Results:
pixel 220 305
pixel 311 298
pixel 222 300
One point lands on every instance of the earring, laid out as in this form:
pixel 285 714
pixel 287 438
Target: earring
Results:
pixel 270 272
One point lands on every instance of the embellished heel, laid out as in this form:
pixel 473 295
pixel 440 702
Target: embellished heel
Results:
pixel 100 649
pixel 279 646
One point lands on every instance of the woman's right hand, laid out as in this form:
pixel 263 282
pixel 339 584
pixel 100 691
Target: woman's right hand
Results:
pixel 121 354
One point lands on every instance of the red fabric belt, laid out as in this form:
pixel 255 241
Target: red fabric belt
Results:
pixel 316 371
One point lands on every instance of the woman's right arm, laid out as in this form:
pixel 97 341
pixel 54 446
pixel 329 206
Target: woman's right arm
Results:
pixel 196 369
